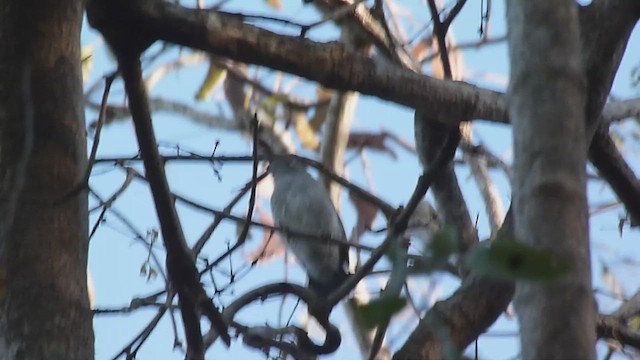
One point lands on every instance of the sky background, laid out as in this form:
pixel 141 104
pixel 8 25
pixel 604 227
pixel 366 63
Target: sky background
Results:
pixel 116 257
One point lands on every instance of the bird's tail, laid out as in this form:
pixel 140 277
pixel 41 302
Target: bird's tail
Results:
pixel 329 284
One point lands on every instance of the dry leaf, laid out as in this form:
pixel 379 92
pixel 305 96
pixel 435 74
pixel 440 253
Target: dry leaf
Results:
pixel 275 4
pixel 234 89
pixel 271 246
pixel 612 283
pixel 366 213
pixel 368 140
pixel 421 49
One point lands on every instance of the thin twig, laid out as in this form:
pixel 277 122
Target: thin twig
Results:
pixel 400 223
pixel 227 210
pixel 337 14
pixel 137 234
pixel 468 45
pixel 254 175
pixel 182 271
pixel 108 80
pixel 105 205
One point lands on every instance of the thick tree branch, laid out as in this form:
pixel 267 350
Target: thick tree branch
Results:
pixel 614 169
pixel 430 135
pixel 602 49
pixel 318 308
pixel 16 129
pixel 606 44
pixel 180 264
pixel 337 67
pixel 616 326
pixel 621 109
pixel 334 65
pixel 547 93
pixel 611 327
pixel 452 324
pixel 45 308
pixel 449 100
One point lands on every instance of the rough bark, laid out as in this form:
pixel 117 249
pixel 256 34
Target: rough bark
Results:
pixel 452 324
pixel 331 64
pixel 603 44
pixel 335 66
pixel 16 117
pixel 547 96
pixel 46 313
pixel 446 189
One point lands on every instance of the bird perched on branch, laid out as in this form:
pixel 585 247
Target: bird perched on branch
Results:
pixel 302 208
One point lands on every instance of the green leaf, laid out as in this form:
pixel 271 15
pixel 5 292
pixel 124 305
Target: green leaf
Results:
pixel 443 244
pixel 379 310
pixel 515 261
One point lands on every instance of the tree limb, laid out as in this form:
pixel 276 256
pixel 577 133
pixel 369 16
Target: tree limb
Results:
pixel 614 169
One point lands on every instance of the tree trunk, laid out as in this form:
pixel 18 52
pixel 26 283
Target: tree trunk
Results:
pixel 547 109
pixel 45 313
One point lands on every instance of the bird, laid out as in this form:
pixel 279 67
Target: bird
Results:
pixel 302 208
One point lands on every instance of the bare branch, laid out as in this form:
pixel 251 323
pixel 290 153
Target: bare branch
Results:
pixel 488 190
pixel 613 328
pixel 614 169
pixel 317 307
pixel 620 110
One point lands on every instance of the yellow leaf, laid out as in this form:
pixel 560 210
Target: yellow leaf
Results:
pixel 306 134
pixel 86 59
pixel 215 74
pixel 323 96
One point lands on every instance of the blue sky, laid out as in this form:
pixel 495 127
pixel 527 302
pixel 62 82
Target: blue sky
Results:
pixel 116 258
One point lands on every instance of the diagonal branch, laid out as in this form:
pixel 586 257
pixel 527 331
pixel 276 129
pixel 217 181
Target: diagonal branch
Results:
pixel 614 169
pixel 317 307
pixel 334 65
pixel 183 273
pixel 180 265
pixel 429 135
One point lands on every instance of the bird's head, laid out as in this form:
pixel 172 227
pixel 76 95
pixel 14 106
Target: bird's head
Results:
pixel 285 165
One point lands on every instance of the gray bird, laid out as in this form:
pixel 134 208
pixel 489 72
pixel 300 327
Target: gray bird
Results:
pixel 301 205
